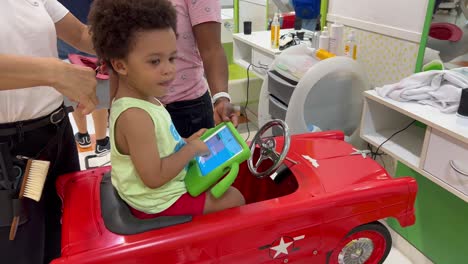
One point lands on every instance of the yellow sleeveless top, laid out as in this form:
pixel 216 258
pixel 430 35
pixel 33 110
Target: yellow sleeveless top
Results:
pixel 125 177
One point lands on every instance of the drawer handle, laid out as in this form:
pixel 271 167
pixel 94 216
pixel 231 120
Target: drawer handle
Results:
pixel 262 65
pixel 452 164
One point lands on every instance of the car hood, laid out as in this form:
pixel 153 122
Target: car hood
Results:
pixel 336 163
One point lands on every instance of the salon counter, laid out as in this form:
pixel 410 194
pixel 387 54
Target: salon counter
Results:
pixel 256 49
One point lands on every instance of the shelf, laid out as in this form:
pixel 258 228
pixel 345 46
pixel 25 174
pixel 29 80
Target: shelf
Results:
pixel 259 40
pixel 450 124
pixel 242 63
pixel 380 122
pixel 255 73
pixel 405 146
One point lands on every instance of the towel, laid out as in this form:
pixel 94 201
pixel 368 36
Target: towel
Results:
pixel 440 89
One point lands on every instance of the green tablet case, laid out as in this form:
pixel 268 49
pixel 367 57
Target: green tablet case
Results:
pixel 197 183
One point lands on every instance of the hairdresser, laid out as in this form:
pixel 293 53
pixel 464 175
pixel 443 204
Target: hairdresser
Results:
pixel 199 55
pixel 33 121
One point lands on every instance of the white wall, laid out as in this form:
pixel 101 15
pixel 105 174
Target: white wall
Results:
pixel 397 18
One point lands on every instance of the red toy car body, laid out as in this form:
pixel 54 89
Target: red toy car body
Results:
pixel 324 210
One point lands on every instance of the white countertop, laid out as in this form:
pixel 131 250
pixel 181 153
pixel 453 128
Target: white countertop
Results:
pixel 258 39
pixel 261 40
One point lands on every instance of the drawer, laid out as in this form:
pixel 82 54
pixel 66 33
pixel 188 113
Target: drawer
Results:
pixel 277 108
pixel 261 59
pixel 277 111
pixel 447 159
pixel 279 87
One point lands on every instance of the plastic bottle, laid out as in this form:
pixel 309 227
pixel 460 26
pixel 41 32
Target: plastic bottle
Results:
pixel 316 41
pixel 324 40
pixel 351 46
pixel 275 32
pixel 336 39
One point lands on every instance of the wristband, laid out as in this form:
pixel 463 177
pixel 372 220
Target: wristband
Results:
pixel 219 95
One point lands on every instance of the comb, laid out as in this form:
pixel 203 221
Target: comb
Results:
pixel 31 186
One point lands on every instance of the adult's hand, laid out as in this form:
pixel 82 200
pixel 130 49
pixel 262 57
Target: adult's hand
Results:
pixel 78 83
pixel 224 111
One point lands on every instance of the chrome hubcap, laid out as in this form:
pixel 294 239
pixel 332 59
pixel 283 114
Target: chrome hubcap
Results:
pixel 357 251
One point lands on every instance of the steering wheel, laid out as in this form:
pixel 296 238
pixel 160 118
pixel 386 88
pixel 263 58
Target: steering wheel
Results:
pixel 267 146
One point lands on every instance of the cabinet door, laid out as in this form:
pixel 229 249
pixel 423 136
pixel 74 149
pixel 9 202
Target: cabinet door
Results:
pixel 255 11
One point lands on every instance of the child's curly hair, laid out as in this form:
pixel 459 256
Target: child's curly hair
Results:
pixel 113 24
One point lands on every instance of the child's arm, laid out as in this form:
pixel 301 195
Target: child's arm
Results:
pixel 135 136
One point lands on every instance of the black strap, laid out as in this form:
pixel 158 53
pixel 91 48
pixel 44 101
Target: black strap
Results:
pixel 56 140
pixel 6 168
pixel 9 208
pixel 26 126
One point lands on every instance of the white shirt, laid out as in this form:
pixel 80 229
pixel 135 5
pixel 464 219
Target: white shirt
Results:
pixel 27 27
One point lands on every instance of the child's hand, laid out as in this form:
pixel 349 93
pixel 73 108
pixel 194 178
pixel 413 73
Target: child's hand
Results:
pixel 201 149
pixel 196 135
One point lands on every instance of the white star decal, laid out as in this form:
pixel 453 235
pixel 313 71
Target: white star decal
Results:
pixel 281 248
pixel 363 153
pixel 311 160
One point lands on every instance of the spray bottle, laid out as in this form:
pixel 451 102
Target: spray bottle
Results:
pixel 351 47
pixel 275 32
pixel 336 39
pixel 324 40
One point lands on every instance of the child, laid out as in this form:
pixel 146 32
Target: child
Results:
pixel 137 38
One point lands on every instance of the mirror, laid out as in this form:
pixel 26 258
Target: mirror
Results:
pixel 259 12
pixel 448 34
pixel 227 26
pixel 227 15
pixel 279 6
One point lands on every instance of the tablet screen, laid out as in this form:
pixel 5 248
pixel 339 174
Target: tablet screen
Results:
pixel 223 146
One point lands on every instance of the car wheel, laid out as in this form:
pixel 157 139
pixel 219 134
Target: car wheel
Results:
pixel 366 244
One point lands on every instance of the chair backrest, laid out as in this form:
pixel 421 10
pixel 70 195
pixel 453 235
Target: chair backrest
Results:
pixel 329 96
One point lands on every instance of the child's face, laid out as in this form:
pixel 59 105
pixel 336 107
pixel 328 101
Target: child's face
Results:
pixel 150 65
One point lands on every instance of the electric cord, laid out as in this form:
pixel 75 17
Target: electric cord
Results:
pixel 376 153
pixel 264 67
pixel 294 40
pixel 373 153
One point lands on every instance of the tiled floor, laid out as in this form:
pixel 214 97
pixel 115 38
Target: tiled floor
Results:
pixel 396 257
pixel 83 153
pixel 248 132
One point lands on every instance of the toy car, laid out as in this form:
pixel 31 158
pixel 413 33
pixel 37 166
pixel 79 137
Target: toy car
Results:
pixel 318 202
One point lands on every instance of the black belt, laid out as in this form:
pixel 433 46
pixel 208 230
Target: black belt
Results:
pixel 10 129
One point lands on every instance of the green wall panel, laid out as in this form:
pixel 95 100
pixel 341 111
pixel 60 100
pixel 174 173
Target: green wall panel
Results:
pixel 228 50
pixel 441 228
